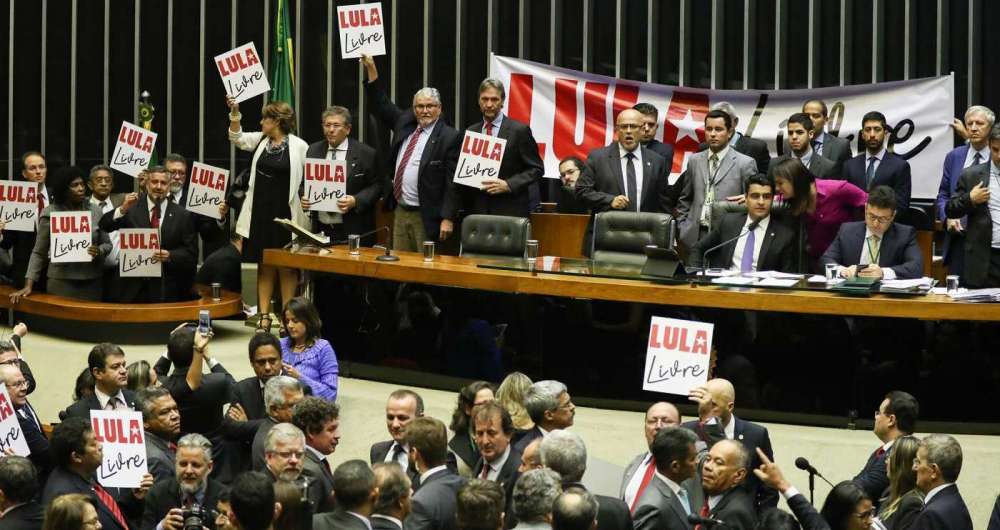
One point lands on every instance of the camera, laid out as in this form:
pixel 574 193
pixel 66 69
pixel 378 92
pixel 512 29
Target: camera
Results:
pixel 195 517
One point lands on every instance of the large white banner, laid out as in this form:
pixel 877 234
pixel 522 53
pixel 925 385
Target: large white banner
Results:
pixel 572 112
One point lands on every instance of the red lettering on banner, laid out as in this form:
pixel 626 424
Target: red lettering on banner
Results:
pixel 680 104
pixel 17 194
pixel 5 408
pixel 139 241
pixel 136 139
pixel 677 339
pixel 338 174
pixel 236 62
pixel 62 225
pixel 359 18
pixel 112 430
pixel 595 120
pixel 519 102
pixel 208 178
pixel 481 148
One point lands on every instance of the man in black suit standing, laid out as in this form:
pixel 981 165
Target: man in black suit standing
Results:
pixel 188 485
pixel 354 487
pixel 896 416
pixel 800 135
pixel 647 137
pixel 521 166
pixel 550 407
pixel 31 427
pixel 281 394
pixel 21 244
pixel 938 463
pixel 719 493
pixel 826 145
pixel 878 247
pixel 434 503
pixel 393 503
pixel 162 423
pixel 251 500
pixel 246 402
pixel 768 247
pixel 752 147
pixel 532 499
pixel 212 230
pixel 106 362
pixel 977 195
pixel 876 166
pixel 565 453
pixel 319 420
pixel 18 489
pixel 716 401
pixel 498 461
pixel 665 503
pixel 424 153
pixel 658 416
pixel 402 407
pixel 178 241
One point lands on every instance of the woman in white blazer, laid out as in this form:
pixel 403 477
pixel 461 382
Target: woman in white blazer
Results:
pixel 275 173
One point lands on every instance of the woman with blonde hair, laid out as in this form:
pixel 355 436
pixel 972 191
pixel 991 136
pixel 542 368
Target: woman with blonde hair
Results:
pixel 905 500
pixel 73 511
pixel 511 396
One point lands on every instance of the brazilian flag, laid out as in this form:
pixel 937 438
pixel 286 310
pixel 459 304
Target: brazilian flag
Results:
pixel 282 69
pixel 146 113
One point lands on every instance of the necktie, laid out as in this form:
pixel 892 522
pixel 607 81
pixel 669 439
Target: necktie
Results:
pixel 489 128
pixel 873 250
pixel 103 205
pixel 397 181
pixel 396 451
pixel 646 477
pixel 713 165
pixel 172 446
pixel 704 513
pixel 879 452
pixel 978 159
pixel 630 192
pixel 870 174
pixel 112 404
pixel 746 262
pixel 486 471
pixel 108 501
pixel 154 217
pixel 685 502
pixel 41 204
pixel 817 147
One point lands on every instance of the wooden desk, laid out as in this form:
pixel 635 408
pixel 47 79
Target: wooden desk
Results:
pixel 461 272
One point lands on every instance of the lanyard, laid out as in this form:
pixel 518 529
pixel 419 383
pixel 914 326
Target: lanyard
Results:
pixel 872 256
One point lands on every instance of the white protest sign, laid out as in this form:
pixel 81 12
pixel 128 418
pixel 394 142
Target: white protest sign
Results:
pixel 678 356
pixel 326 181
pixel 207 190
pixel 480 159
pixel 361 30
pixel 70 237
pixel 19 205
pixel 137 247
pixel 133 150
pixel 120 433
pixel 242 72
pixel 11 436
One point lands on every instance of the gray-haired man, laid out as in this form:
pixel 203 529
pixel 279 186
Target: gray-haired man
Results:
pixel 550 407
pixel 281 394
pixel 169 499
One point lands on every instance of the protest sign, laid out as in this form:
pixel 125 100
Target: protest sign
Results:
pixel 325 183
pixel 19 205
pixel 207 190
pixel 678 355
pixel 11 436
pixel 133 150
pixel 124 447
pixel 242 72
pixel 361 30
pixel 480 159
pixel 137 248
pixel 70 237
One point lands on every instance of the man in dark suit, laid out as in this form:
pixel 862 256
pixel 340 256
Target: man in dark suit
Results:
pixel 18 489
pixel 624 175
pixel 896 416
pixel 319 420
pixel 213 231
pixel 106 362
pixel 101 182
pixel 402 407
pixel 770 474
pixel 200 396
pixel 354 484
pixel 722 475
pixel 768 247
pixel 565 453
pixel 178 241
pixel 752 147
pixel 251 500
pixel 187 485
pixel 800 135
pixel 664 504
pixel 31 427
pixel 550 407
pixel 393 502
pixel 716 401
pixel 246 401
pixel 520 168
pixel 498 461
pixel 938 463
pixel 976 197
pixel 532 499
pixel 575 509
pixel 647 137
pixel 224 266
pixel 417 187
pixel 434 505
pixel 21 244
pixel 826 145
pixel 877 166
pixel 877 247
pixel 281 394
pixel 77 456
pixel 658 416
pixel 162 423
pixel 284 460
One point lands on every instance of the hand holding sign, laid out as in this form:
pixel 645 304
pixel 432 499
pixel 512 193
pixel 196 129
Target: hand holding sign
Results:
pixel 242 73
pixel 11 437
pixel 133 150
pixel 70 240
pixel 19 205
pixel 479 162
pixel 207 190
pixel 678 358
pixel 124 447
pixel 325 185
pixel 139 248
pixel 361 30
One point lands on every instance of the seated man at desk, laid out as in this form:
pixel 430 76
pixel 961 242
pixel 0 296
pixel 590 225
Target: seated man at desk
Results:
pixel 878 247
pixel 750 241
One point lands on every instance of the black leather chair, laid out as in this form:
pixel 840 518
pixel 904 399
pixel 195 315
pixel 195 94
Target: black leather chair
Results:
pixel 620 237
pixel 494 236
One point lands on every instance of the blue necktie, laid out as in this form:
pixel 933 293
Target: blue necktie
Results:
pixel 682 495
pixel 870 174
pixel 746 263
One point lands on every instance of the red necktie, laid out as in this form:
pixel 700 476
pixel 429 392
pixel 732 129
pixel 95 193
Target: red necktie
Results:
pixel 172 446
pixel 646 477
pixel 705 512
pixel 397 181
pixel 486 471
pixel 879 452
pixel 489 128
pixel 154 218
pixel 41 204
pixel 109 502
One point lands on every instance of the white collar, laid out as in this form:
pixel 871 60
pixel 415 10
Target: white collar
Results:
pixel 342 146
pixel 397 522
pixel 315 451
pixel 869 233
pixel 637 152
pixel 363 519
pixel 150 204
pixel 497 464
pixel 95 202
pixel 880 156
pixel 103 398
pixel 935 491
pixel 820 137
pixel 721 154
pixel 762 225
pixel 887 445
pixel 730 428
pixel 424 476
pixel 674 487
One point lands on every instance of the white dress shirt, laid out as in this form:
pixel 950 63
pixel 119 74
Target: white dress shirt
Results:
pixel 404 456
pixel 970 156
pixel 819 141
pixel 759 234
pixel 410 193
pixel 935 491
pixel 632 488
pixel 496 465
pixel 103 399
pixel 806 158
pixel 879 157
pixel 637 164
pixel 496 124
pixel 426 474
pixel 874 250
pixel 111 260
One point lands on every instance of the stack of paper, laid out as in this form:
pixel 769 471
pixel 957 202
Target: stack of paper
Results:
pixel 916 284
pixel 778 275
pixel 976 295
pixel 734 280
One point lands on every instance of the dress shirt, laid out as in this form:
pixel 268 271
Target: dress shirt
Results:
pixel 888 445
pixel 933 492
pixel 103 399
pixel 713 500
pixel 818 142
pixel 318 454
pixel 730 429
pixel 637 164
pixel 410 192
pixel 175 196
pixel 28 413
pixel 426 474
pixel 879 157
pixel 736 137
pixel 338 152
pixel 970 156
pixel 496 124
pixel 404 456
pixel 759 234
pixel 363 519
pixel 496 465
pixel 149 206
pixel 710 179
pixel 9 508
pixel 674 487
pixel 632 488
pixel 806 159
pixel 867 254
pixel 111 260
pixel 994 203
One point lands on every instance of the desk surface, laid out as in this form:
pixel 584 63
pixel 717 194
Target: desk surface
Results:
pixel 461 272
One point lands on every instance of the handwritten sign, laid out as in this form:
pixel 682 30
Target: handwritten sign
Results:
pixel 678 355
pixel 120 433
pixel 207 190
pixel 137 247
pixel 480 159
pixel 325 183
pixel 361 30
pixel 11 436
pixel 70 237
pixel 242 72
pixel 19 205
pixel 133 150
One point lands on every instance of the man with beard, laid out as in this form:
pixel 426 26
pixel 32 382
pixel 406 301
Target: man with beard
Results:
pixel 876 166
pixel 563 191
pixel 285 455
pixel 212 230
pixel 171 499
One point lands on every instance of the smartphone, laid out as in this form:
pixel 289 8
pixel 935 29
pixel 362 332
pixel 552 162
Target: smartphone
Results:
pixel 862 267
pixel 204 322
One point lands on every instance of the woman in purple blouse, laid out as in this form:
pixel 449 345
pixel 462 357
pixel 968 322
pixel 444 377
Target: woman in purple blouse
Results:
pixel 304 354
pixel 821 204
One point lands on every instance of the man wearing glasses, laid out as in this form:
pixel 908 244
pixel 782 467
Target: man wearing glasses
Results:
pixel 31 425
pixel 876 248
pixel 895 417
pixel 285 457
pixel 211 230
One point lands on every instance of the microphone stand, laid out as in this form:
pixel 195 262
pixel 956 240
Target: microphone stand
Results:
pixel 812 486
pixel 704 256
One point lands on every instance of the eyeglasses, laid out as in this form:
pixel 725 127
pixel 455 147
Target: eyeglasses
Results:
pixel 19 384
pixel 878 219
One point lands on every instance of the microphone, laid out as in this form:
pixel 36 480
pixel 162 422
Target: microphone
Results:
pixel 804 465
pixel 747 230
pixel 707 521
pixel 388 246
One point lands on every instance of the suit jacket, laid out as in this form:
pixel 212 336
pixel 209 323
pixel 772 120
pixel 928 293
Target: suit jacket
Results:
pixel 995 517
pixel 525 438
pixel 777 250
pixel 177 235
pixel 465 451
pixel 736 508
pixel 819 166
pixel 82 408
pixel 892 171
pixel 630 470
pixel 201 409
pixel 979 230
pixel 433 505
pixel 521 166
pixel 954 164
pixel 751 436
pixel 28 516
pixel 909 507
pixel 612 513
pixel 730 179
pixel 806 514
pixel 838 151
pixel 92 270
pixel 872 478
pixel 506 478
pixel 257 452
pixel 63 481
pixel 435 190
pixel 381 523
pixel 21 245
pixel 324 478
pixel 249 395
pixel 898 250
pixel 38 444
pixel 166 494
pixel 377 454
pixel 945 511
pixel 755 149
pixel 224 266
pixel 658 508
pixel 160 460
pixel 362 183
pixel 337 520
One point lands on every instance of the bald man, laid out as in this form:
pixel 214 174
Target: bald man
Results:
pixel 716 401
pixel 722 495
pixel 634 481
pixel 529 458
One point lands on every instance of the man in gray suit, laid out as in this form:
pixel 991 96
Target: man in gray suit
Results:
pixel 715 174
pixel 434 503
pixel 665 504
pixel 393 502
pixel 832 148
pixel 658 416
pixel 162 422
pixel 319 420
pixel 354 488
pixel 533 496
pixel 800 134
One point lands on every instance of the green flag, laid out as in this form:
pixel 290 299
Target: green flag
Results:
pixel 146 113
pixel 282 71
